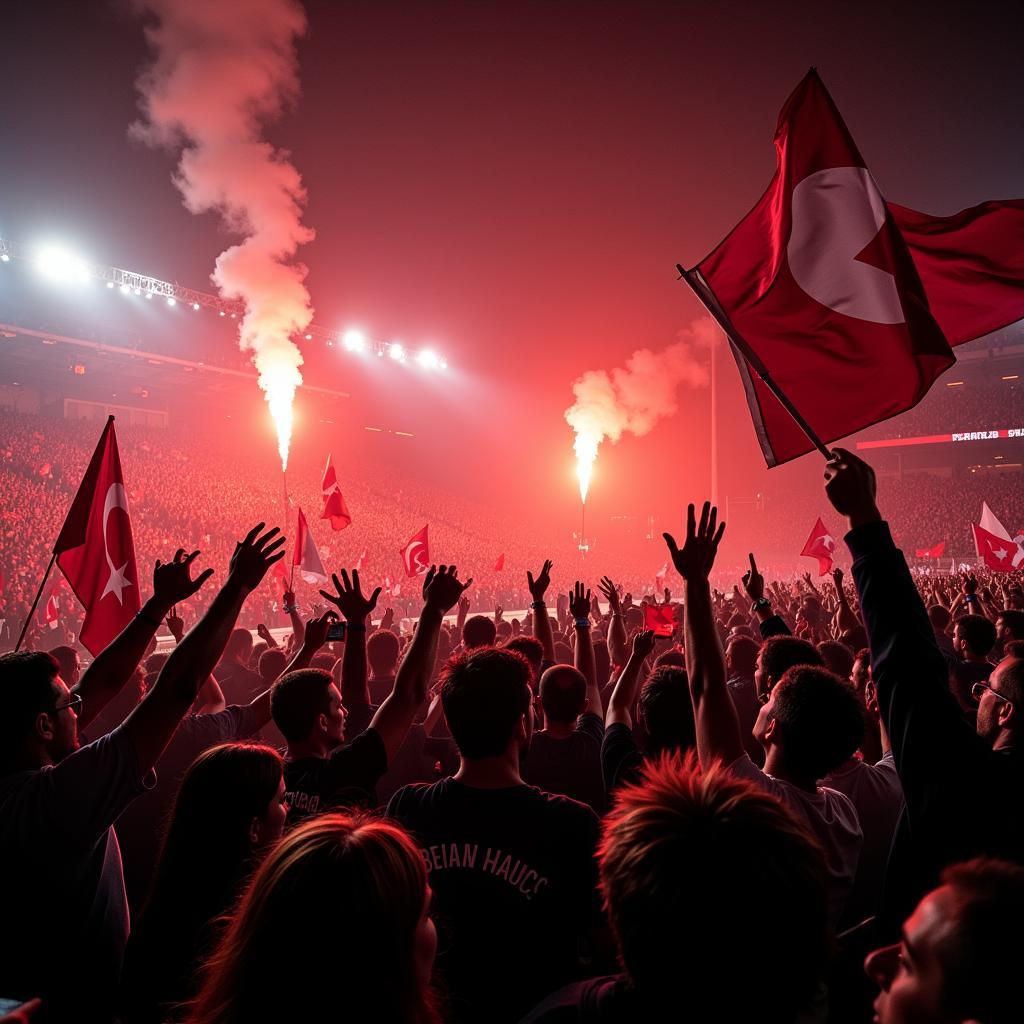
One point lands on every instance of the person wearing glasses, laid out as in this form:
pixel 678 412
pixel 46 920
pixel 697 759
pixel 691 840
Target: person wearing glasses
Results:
pixel 962 785
pixel 61 881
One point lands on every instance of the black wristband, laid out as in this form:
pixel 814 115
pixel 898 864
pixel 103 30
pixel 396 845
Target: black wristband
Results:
pixel 538 605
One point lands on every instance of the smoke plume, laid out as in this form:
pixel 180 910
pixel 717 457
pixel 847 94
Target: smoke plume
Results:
pixel 223 69
pixel 632 398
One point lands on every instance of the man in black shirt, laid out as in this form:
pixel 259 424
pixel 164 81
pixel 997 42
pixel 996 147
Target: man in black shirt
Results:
pixel 511 867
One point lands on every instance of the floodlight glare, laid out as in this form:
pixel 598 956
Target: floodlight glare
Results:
pixel 125 289
pixel 195 306
pixel 428 360
pixel 171 301
pixel 5 257
pixel 354 341
pixel 396 352
pixel 61 266
pixel 149 296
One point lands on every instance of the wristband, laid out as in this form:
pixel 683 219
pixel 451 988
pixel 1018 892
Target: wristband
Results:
pixel 970 597
pixel 538 605
pixel 289 608
pixel 145 618
pixel 357 627
pixel 761 602
pixel 583 623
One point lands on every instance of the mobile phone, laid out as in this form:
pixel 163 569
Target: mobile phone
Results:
pixel 336 631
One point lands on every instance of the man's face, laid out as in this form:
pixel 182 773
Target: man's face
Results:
pixel 335 729
pixel 910 974
pixel 1002 632
pixel 64 723
pixel 860 674
pixel 958 641
pixel 993 707
pixel 760 678
pixel 765 718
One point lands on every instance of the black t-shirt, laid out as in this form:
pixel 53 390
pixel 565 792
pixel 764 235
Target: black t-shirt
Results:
pixel 315 785
pixel 621 758
pixel 239 684
pixel 570 766
pixel 514 882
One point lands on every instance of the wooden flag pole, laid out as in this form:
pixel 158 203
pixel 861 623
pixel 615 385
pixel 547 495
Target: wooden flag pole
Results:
pixel 707 298
pixel 39 594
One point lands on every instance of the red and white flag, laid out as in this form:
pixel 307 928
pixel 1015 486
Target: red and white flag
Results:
pixel 933 552
pixel 819 284
pixel 997 553
pixel 306 558
pixel 991 524
pixel 659 578
pixel 820 545
pixel 661 618
pixel 416 553
pixel 361 561
pixel 95 550
pixel 52 614
pixel 335 508
pixel 500 563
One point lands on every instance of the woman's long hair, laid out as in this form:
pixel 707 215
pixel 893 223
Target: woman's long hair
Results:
pixel 326 930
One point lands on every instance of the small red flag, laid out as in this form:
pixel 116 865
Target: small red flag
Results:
pixel 820 285
pixel 416 553
pixel 996 552
pixel 335 508
pixel 661 618
pixel 820 545
pixel 52 614
pixel 361 561
pixel 306 557
pixel 933 552
pixel 95 550
pixel 500 563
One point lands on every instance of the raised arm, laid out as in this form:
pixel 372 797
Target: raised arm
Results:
pixel 769 623
pixel 541 621
pixel 617 646
pixel 152 723
pixel 620 703
pixel 846 617
pixel 441 589
pixel 583 647
pixel 718 727
pixel 355 689
pixel 114 665
pixel 291 609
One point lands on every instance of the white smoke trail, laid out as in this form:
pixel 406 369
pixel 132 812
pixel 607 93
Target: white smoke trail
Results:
pixel 222 69
pixel 634 397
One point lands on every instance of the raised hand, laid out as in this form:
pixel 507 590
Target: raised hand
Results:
pixel 611 595
pixel 289 599
pixel 753 581
pixel 539 586
pixel 837 579
pixel 696 558
pixel 579 602
pixel 850 486
pixel 643 644
pixel 176 624
pixel 388 619
pixel 668 596
pixel 442 588
pixel 316 629
pixel 254 555
pixel 263 633
pixel 970 584
pixel 172 582
pixel 349 598
pixel 498 612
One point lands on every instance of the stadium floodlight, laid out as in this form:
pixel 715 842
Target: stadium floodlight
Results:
pixel 309 337
pixel 138 291
pixel 171 301
pixel 354 341
pixel 428 360
pixel 110 284
pixel 149 296
pixel 61 266
pixel 396 351
pixel 5 257
pixel 195 306
pixel 125 289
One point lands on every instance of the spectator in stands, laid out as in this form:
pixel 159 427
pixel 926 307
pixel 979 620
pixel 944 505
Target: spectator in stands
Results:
pixel 838 658
pixel 62 872
pixel 239 683
pixel 778 654
pixel 479 631
pixel 809 725
pixel 271 665
pixel 382 651
pixel 229 810
pixel 960 952
pixel 939 617
pixel 511 867
pixel 973 639
pixel 69 663
pixel 707 849
pixel 741 664
pixel 1009 627
pixel 367 880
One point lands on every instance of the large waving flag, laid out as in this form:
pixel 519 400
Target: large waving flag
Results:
pixel 306 558
pixel 820 545
pixel 335 508
pixel 990 526
pixel 996 552
pixel 95 550
pixel 817 290
pixel 416 553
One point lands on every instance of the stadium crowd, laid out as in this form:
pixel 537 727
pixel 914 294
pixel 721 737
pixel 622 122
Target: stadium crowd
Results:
pixel 750 799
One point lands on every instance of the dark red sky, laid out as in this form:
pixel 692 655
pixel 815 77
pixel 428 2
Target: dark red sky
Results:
pixel 515 181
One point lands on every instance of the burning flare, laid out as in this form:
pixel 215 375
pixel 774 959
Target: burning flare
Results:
pixel 633 398
pixel 221 70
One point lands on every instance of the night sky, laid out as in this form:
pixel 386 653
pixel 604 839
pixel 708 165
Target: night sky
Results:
pixel 515 182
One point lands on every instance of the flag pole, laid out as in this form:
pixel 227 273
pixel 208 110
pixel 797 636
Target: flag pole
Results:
pixel 707 298
pixel 39 594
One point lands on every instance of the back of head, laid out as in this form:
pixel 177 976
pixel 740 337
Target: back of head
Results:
pixel 838 658
pixel 26 689
pixel 688 861
pixel 529 647
pixel 1013 622
pixel 666 710
pixel 271 664
pixel 743 655
pixel 671 658
pixel 296 701
pixel 485 693
pixel 324 661
pixel 67 658
pixel 987 942
pixel 977 634
pixel 818 720
pixel 563 694
pixel 779 653
pixel 478 631
pixel 239 646
pixel 939 617
pixel 382 649
pixel 367 879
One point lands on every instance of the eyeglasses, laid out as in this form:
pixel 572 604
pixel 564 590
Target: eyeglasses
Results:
pixel 74 703
pixel 978 691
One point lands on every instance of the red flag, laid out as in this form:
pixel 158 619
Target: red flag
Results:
pixel 820 286
pixel 416 553
pixel 820 545
pixel 52 613
pixel 661 618
pixel 335 508
pixel 934 552
pixel 95 550
pixel 280 572
pixel 659 577
pixel 500 563
pixel 996 552
pixel 360 561
pixel 306 557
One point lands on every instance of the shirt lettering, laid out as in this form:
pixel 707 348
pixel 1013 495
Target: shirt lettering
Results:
pixel 519 875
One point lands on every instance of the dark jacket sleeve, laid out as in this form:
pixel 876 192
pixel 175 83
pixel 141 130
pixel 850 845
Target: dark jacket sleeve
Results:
pixel 775 625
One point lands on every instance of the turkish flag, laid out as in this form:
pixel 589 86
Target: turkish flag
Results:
pixel 818 285
pixel 996 552
pixel 306 557
pixel 416 553
pixel 661 618
pixel 820 545
pixel 335 508
pixel 52 614
pixel 934 552
pixel 95 551
pixel 500 563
